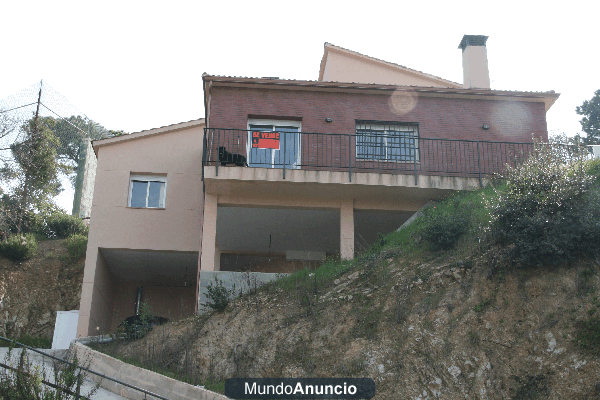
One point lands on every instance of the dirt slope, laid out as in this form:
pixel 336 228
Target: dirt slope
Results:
pixel 423 330
pixel 32 291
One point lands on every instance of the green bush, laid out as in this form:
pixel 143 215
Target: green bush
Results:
pixel 32 223
pixel 218 296
pixel 443 224
pixel 138 326
pixel 549 210
pixel 61 225
pixel 35 342
pixel 19 248
pixel 592 167
pixel 76 245
pixel 442 231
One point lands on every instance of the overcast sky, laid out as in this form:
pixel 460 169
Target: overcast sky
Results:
pixel 136 65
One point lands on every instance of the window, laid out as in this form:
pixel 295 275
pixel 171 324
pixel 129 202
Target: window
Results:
pixel 289 136
pixel 387 141
pixel 147 191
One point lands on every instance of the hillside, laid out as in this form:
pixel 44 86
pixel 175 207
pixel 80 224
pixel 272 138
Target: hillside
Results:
pixel 423 328
pixel 32 291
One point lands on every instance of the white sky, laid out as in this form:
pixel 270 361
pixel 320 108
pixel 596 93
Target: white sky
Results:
pixel 136 65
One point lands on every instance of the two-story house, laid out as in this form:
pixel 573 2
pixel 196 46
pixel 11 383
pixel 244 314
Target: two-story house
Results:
pixel 282 173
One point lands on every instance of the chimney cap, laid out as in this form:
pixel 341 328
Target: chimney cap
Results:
pixel 472 40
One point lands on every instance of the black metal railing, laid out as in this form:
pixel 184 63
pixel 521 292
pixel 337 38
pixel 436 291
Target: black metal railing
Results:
pixel 394 154
pixel 60 360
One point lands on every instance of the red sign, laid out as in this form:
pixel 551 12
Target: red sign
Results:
pixel 265 140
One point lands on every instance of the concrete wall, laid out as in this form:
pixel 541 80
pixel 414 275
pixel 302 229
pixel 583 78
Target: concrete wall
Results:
pixel 264 262
pixel 241 282
pixel 139 377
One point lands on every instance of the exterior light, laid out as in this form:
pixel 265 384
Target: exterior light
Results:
pixel 486 126
pixel 328 119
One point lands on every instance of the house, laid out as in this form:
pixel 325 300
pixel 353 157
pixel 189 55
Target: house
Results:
pixel 283 173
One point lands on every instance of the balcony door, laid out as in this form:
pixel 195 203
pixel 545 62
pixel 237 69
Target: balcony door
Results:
pixel 281 147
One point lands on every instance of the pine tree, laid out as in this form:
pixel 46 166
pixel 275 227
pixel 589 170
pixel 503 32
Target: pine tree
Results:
pixel 590 123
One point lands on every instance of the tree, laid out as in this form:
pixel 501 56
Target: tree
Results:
pixel 33 174
pixel 71 133
pixel 8 127
pixel 590 123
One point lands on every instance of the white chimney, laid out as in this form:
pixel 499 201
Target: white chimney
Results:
pixel 475 63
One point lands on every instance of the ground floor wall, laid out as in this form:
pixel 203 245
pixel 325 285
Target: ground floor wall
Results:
pixel 112 278
pixel 264 262
pixel 171 302
pixel 96 296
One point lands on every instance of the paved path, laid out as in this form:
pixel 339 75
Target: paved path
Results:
pixel 38 359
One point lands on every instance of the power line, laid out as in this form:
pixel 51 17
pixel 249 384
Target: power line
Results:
pixel 67 121
pixel 26 105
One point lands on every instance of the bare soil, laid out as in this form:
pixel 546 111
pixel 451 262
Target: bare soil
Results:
pixel 33 290
pixel 422 329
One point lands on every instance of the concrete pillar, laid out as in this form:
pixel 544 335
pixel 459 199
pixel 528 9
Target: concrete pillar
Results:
pixel 209 233
pixel 347 229
pixel 217 257
pixel 95 310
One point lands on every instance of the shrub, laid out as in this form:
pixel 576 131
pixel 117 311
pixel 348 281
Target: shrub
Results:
pixel 592 167
pixel 138 326
pixel 35 342
pixel 76 245
pixel 218 296
pixel 32 223
pixel 29 381
pixel 442 227
pixel 61 225
pixel 549 210
pixel 19 248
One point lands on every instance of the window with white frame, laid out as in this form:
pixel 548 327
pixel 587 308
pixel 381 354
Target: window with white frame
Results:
pixel 147 191
pixel 387 141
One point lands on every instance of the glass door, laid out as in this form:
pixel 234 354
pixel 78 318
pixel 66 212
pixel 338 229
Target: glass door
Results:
pixel 274 145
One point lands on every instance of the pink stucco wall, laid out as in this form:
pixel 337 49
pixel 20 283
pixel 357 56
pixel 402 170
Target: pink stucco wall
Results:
pixel 176 154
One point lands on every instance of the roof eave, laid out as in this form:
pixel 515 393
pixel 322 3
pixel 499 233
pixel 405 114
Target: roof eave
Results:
pixel 146 133
pixel 285 83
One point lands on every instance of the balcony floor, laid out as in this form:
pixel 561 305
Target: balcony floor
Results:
pixel 324 189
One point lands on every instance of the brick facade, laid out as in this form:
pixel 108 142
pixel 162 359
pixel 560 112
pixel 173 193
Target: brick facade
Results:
pixel 439 117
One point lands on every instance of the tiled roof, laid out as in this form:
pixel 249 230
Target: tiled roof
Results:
pixel 359 85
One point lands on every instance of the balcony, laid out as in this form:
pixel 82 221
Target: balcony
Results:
pixel 359 153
